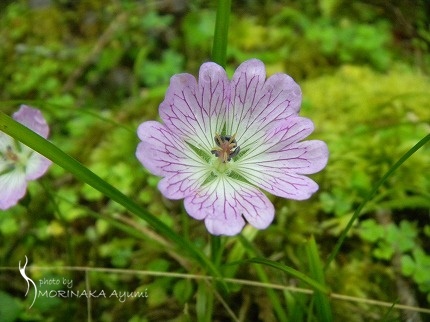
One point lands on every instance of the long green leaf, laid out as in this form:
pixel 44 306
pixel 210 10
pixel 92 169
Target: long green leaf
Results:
pixel 52 152
pixel 204 302
pixel 322 302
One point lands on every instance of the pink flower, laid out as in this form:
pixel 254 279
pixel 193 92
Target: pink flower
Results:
pixel 18 163
pixel 223 141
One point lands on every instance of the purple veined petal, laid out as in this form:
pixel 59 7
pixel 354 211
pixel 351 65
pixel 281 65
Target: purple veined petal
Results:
pixel 37 165
pixel 283 176
pixel 12 187
pixel 226 203
pixel 195 111
pixel 166 155
pixel 278 138
pixel 158 147
pixel 181 185
pixel 279 183
pixel 33 119
pixel 305 157
pixel 278 164
pixel 257 103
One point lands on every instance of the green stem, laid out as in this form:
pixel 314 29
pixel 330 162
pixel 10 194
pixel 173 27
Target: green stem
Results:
pixel 357 212
pixel 216 250
pixel 219 49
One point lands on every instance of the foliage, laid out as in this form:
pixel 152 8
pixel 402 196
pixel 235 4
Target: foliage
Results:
pixel 97 69
pixel 381 119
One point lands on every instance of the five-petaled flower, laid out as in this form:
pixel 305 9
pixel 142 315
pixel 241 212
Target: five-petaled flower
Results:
pixel 222 141
pixel 18 163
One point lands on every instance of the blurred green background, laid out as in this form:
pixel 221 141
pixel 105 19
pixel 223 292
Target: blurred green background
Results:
pixel 97 69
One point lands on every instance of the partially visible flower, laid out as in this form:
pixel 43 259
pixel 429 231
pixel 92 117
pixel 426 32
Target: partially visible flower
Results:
pixel 18 163
pixel 222 141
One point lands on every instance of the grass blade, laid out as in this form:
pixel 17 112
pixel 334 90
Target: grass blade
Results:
pixel 316 269
pixel 56 155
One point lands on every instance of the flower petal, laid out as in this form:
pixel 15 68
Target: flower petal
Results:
pixel 257 103
pixel 282 184
pixel 166 155
pixel 277 165
pixel 37 165
pixel 225 203
pixel 278 139
pixel 33 119
pixel 195 111
pixel 12 187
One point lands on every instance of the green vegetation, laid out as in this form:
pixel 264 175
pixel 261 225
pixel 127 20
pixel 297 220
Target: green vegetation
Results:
pixel 97 69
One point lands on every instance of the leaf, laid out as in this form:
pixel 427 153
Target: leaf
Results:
pixel 322 302
pixel 52 152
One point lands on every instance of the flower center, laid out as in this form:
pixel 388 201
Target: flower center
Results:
pixel 10 160
pixel 226 148
pixel 14 157
pixel 10 155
